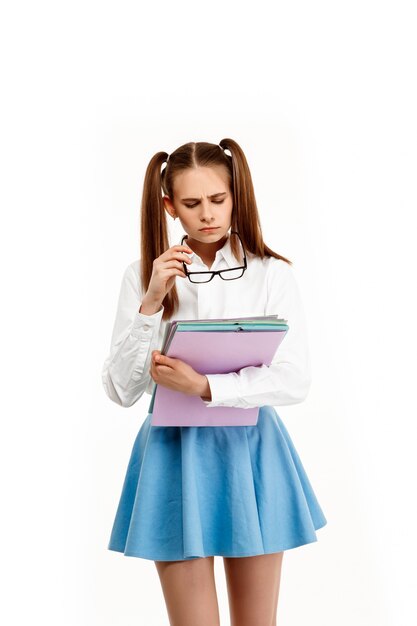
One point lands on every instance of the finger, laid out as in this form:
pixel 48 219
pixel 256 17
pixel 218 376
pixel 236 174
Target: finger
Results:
pixel 174 263
pixel 162 359
pixel 181 248
pixel 177 252
pixel 180 256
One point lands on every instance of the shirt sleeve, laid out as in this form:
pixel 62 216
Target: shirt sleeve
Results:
pixel 287 380
pixel 126 370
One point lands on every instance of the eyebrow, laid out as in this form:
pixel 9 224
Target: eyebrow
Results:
pixel 215 195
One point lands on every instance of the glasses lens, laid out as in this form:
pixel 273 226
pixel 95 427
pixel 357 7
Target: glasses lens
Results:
pixel 199 278
pixel 232 274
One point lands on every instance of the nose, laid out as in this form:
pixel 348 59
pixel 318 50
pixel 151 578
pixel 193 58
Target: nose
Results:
pixel 205 214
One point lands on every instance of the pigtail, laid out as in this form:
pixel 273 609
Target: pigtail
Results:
pixel 154 229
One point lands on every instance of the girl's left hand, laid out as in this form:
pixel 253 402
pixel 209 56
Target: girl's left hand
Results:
pixel 176 374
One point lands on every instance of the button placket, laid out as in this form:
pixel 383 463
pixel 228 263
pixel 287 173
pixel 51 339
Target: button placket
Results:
pixel 141 359
pixel 143 335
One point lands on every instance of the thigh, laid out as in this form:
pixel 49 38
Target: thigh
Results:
pixel 190 591
pixel 253 588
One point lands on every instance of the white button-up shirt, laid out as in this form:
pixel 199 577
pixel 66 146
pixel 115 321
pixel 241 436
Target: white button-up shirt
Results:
pixel 267 287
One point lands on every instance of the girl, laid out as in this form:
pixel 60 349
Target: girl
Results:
pixel 191 493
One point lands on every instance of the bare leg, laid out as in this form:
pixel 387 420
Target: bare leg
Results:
pixel 190 591
pixel 253 588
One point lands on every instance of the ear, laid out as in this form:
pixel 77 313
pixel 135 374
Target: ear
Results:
pixel 169 207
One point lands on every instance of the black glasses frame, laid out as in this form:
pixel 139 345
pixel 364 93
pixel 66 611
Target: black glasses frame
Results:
pixel 219 272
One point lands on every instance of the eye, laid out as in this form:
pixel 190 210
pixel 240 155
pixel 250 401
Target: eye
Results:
pixel 190 206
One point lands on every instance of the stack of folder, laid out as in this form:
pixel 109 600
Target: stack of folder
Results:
pixel 214 346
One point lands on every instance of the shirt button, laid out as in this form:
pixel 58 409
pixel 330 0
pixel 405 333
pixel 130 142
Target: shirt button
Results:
pixel 146 327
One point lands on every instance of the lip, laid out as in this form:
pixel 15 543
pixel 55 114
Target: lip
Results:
pixel 209 229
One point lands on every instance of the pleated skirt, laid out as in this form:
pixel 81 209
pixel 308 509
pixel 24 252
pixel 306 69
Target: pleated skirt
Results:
pixel 234 491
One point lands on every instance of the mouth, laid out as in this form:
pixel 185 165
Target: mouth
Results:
pixel 209 229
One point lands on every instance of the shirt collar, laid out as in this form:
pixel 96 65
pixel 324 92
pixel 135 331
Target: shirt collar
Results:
pixel 225 252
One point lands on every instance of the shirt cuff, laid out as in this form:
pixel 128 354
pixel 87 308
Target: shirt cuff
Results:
pixel 144 322
pixel 224 389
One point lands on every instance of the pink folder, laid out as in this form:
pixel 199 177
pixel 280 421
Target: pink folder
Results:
pixel 202 352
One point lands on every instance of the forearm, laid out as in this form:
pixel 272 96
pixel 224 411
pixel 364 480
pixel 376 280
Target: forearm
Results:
pixel 277 385
pixel 149 306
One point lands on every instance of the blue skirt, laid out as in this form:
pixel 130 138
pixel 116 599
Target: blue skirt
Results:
pixel 233 491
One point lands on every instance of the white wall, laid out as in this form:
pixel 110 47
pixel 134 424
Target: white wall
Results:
pixel 322 98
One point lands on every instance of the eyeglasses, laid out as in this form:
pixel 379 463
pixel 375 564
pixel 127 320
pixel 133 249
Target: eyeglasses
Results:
pixel 230 274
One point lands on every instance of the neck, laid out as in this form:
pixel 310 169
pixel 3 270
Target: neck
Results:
pixel 206 251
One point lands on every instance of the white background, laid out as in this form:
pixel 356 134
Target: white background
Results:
pixel 321 96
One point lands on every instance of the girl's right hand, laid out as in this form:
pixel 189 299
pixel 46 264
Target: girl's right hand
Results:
pixel 165 268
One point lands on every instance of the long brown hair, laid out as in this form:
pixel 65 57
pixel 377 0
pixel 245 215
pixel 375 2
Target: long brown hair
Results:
pixel 154 228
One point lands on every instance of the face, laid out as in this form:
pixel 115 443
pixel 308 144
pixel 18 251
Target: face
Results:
pixel 202 198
